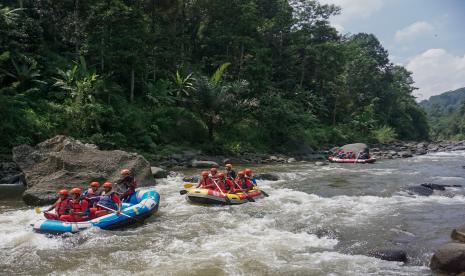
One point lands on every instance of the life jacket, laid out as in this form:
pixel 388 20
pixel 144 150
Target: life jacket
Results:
pixel 105 200
pixel 62 206
pixel 224 185
pixel 77 206
pixel 244 183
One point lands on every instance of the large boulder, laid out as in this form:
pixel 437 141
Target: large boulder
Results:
pixel 266 176
pixel 204 164
pixel 63 162
pixel 355 148
pixel 159 172
pixel 458 234
pixel 449 258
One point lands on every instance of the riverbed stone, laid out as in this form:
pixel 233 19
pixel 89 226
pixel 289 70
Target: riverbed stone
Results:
pixel 449 258
pixel 204 164
pixel 63 162
pixel 291 160
pixel 458 234
pixel 159 172
pixel 392 255
pixel 405 154
pixel 420 151
pixel 267 176
pixel 420 190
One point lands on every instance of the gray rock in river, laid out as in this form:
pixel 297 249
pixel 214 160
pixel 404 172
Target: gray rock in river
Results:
pixel 204 164
pixel 63 162
pixel 449 258
pixel 458 234
pixel 319 163
pixel 393 255
pixel 405 154
pixel 266 176
pixel 159 172
pixel 420 190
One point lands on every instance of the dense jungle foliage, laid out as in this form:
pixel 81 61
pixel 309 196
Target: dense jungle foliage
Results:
pixel 446 115
pixel 234 76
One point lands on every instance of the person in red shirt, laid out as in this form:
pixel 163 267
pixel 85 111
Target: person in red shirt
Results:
pixel 214 174
pixel 243 182
pixel 108 200
pixel 206 182
pixel 226 185
pixel 79 208
pixel 130 184
pixel 61 206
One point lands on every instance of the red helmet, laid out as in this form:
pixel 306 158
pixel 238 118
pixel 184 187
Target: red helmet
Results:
pixel 221 175
pixel 95 184
pixel 63 192
pixel 241 173
pixel 125 172
pixel 107 185
pixel 204 174
pixel 228 166
pixel 76 191
pixel 213 170
pixel 248 171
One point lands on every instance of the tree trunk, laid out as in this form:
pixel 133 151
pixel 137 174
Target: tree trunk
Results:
pixel 302 71
pixel 210 129
pixel 241 62
pixel 102 51
pixel 335 111
pixel 20 3
pixel 131 95
pixel 76 28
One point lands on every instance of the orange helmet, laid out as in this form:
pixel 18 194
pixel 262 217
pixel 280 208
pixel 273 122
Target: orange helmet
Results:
pixel 63 192
pixel 248 171
pixel 125 172
pixel 76 191
pixel 241 173
pixel 107 185
pixel 228 166
pixel 221 175
pixel 95 184
pixel 204 173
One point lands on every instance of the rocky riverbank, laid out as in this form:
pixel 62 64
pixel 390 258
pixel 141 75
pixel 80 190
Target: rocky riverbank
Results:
pixel 450 257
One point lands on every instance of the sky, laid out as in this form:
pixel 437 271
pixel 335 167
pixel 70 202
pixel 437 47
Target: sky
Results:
pixel 425 36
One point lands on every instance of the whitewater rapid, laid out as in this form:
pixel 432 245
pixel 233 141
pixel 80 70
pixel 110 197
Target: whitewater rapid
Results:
pixel 317 221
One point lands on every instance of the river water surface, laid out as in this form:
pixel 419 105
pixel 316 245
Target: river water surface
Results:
pixel 317 221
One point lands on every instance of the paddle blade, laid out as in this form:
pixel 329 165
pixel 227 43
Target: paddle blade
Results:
pixel 183 192
pixel 37 210
pixel 188 185
pixel 264 193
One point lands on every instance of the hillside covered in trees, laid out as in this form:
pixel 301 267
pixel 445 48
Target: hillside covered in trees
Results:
pixel 446 114
pixel 229 76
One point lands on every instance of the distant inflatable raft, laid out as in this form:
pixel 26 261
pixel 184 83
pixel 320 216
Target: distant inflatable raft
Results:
pixel 207 196
pixel 353 161
pixel 141 205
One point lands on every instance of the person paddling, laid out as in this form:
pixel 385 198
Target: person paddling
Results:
pixel 92 194
pixel 225 184
pixel 230 173
pixel 206 182
pixel 243 182
pixel 61 206
pixel 108 199
pixel 248 174
pixel 79 207
pixel 214 174
pixel 130 184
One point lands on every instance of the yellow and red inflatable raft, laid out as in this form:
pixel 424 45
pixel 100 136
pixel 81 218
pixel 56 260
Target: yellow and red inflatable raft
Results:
pixel 207 196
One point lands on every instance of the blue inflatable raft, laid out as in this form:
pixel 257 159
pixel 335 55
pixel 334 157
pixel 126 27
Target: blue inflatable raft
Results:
pixel 140 206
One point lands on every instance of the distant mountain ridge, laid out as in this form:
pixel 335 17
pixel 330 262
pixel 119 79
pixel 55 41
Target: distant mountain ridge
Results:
pixel 447 102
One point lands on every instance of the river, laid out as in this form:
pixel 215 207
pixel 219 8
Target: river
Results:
pixel 317 221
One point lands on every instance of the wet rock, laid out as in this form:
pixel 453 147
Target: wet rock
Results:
pixel 204 164
pixel 273 158
pixel 266 176
pixel 291 160
pixel 159 172
pixel 420 190
pixel 63 162
pixel 12 179
pixel 393 255
pixel 405 154
pixel 449 258
pixel 192 179
pixel 458 148
pixel 458 234
pixel 321 163
pixel 10 173
pixel 421 151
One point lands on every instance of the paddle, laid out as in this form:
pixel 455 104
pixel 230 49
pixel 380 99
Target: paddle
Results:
pixel 221 191
pixel 37 210
pixel 187 186
pixel 356 159
pixel 245 193
pixel 123 214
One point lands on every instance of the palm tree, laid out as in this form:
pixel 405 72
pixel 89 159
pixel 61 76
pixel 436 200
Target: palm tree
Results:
pixel 212 98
